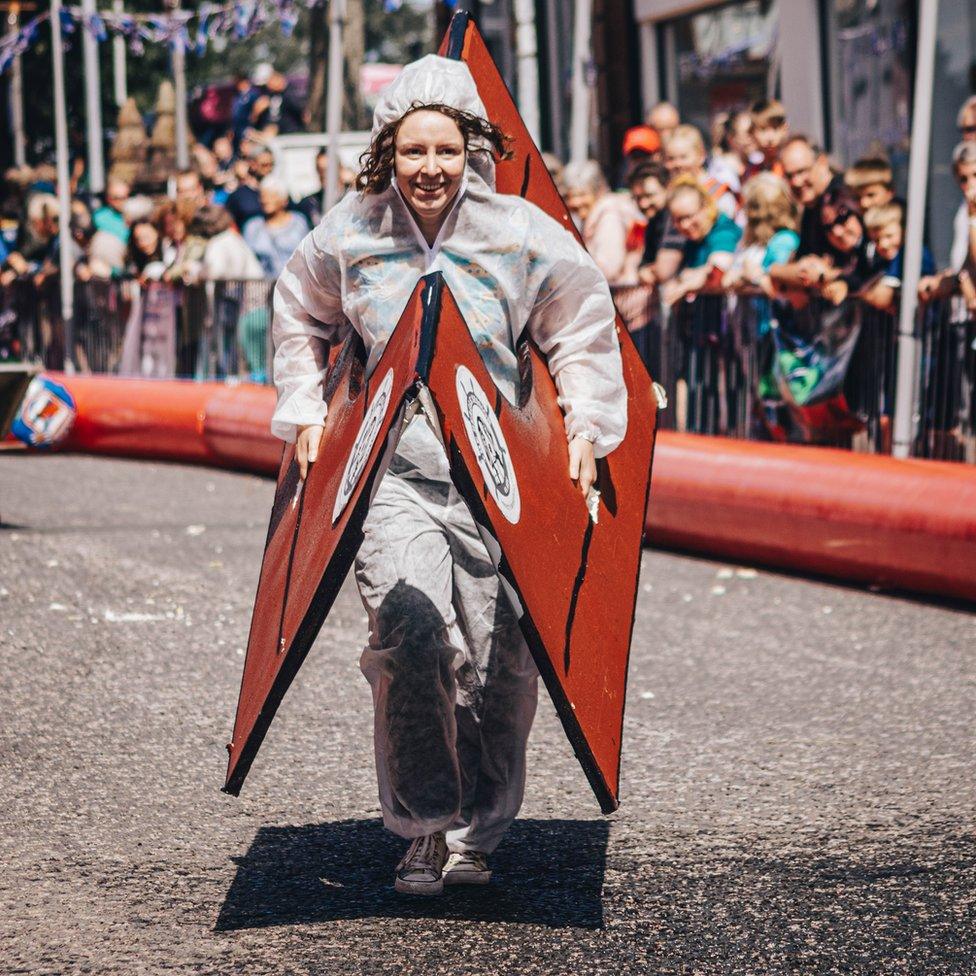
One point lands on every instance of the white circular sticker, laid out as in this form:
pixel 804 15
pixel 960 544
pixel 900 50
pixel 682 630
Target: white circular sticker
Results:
pixel 489 445
pixel 363 445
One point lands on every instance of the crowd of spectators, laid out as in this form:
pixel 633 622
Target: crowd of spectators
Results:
pixel 755 209
pixel 225 217
pixel 762 210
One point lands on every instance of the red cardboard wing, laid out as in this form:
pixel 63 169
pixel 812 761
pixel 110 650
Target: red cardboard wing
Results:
pixel 573 581
pixel 316 529
pixel 576 581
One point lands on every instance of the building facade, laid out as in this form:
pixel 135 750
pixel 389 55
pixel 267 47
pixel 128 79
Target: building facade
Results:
pixel 844 69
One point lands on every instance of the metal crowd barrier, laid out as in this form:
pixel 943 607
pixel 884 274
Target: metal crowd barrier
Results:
pixel 747 367
pixel 208 330
pixel 733 365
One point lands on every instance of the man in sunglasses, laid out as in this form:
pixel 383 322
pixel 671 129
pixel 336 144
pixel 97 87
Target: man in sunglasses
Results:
pixel 807 171
pixel 966 122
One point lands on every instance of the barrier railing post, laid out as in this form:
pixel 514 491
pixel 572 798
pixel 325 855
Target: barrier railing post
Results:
pixel 904 425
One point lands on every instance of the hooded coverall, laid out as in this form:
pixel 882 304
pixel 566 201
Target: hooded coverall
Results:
pixel 454 686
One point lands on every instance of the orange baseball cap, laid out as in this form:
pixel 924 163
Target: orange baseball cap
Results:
pixel 642 138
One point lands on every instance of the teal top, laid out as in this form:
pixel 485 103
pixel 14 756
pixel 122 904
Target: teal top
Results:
pixel 780 248
pixel 723 237
pixel 112 222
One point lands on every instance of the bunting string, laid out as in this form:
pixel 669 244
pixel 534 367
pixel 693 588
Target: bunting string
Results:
pixel 193 30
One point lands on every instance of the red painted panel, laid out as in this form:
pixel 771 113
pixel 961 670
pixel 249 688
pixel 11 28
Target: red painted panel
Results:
pixel 590 694
pixel 576 581
pixel 307 558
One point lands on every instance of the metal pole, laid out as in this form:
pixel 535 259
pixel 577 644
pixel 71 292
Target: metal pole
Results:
pixel 903 432
pixel 17 94
pixel 579 126
pixel 118 61
pixel 333 102
pixel 93 102
pixel 64 188
pixel 179 85
pixel 527 52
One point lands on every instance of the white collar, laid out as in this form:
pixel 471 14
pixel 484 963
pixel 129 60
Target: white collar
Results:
pixel 432 250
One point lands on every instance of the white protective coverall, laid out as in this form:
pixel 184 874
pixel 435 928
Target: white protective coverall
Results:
pixel 454 686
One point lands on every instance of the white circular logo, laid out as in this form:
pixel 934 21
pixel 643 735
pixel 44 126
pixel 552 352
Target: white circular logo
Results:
pixel 489 445
pixel 363 445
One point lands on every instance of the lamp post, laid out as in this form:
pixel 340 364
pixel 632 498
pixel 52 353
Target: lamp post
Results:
pixel 93 101
pixel 333 102
pixel 903 428
pixel 64 188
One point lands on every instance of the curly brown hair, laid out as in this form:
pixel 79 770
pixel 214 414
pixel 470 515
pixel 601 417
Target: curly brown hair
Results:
pixel 480 136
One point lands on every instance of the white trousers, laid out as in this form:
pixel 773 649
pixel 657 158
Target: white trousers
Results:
pixel 454 685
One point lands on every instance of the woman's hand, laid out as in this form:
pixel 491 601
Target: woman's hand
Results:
pixel 307 447
pixel 582 465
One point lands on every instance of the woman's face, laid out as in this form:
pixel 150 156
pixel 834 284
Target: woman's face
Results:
pixel 690 217
pixel 843 228
pixel 145 238
pixel 579 201
pixel 428 162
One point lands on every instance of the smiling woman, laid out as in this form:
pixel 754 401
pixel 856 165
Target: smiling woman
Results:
pixel 454 685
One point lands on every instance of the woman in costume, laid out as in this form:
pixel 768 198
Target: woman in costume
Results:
pixel 454 686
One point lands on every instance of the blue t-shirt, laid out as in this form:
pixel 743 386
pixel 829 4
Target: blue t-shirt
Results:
pixel 893 269
pixel 780 248
pixel 722 238
pixel 274 247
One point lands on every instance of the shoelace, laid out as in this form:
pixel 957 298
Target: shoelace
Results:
pixel 421 853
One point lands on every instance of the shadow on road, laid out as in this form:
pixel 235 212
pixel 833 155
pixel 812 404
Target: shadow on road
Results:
pixel 547 872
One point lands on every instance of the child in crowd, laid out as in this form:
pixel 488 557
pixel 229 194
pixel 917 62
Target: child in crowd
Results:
pixel 872 182
pixel 886 228
pixel 770 236
pixel 769 131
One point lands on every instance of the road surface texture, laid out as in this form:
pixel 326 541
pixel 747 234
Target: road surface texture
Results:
pixel 798 787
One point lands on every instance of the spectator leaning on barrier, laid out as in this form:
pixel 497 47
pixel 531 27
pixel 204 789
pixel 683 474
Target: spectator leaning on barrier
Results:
pixel 961 275
pixel 145 261
pixel 966 122
pixel 648 187
pixel 845 266
pixel 36 240
pixel 110 217
pixel 274 235
pixel 770 237
pixel 226 256
pixel 872 182
pixel 611 225
pixel 245 202
pixel 710 236
pixel 684 156
pixel 808 173
pixel 885 226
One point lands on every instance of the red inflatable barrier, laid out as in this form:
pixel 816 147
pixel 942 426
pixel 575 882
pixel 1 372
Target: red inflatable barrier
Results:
pixel 174 420
pixel 910 524
pixel 907 524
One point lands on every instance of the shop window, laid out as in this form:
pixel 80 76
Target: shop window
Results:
pixel 721 59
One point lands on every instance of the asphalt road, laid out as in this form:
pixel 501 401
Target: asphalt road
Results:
pixel 798 788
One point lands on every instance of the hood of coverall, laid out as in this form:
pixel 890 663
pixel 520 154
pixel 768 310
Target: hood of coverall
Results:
pixel 434 80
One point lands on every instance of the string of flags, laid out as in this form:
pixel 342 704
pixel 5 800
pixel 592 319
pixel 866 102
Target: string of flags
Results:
pixel 192 29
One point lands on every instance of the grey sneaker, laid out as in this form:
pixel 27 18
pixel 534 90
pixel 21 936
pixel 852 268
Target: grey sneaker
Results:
pixel 420 872
pixel 467 868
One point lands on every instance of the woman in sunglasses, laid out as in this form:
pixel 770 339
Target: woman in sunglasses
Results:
pixel 845 265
